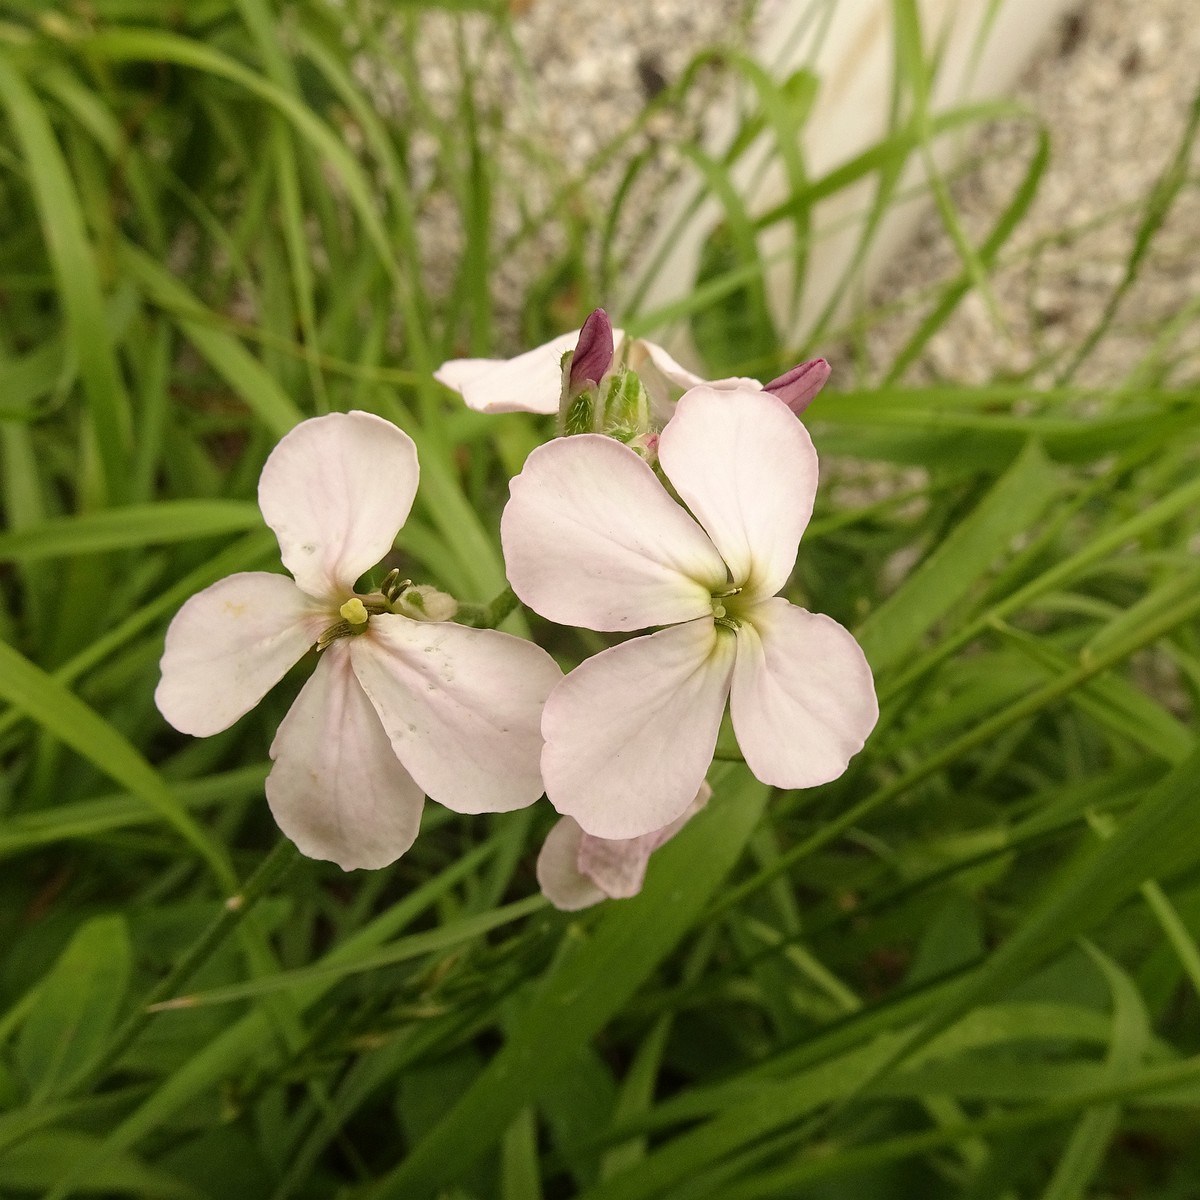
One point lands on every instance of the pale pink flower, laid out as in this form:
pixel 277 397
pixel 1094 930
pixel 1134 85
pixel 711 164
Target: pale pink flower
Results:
pixel 396 708
pixel 532 382
pixel 576 870
pixel 592 538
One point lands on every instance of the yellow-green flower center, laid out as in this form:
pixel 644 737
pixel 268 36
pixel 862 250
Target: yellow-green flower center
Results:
pixel 725 605
pixel 355 611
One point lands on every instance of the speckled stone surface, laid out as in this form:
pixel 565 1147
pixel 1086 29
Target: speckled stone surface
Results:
pixel 1114 89
pixel 560 107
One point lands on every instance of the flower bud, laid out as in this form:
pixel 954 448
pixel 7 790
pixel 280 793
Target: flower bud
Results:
pixel 593 355
pixel 797 387
pixel 425 603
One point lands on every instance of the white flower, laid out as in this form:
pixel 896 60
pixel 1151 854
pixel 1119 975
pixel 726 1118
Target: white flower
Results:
pixel 576 870
pixel 592 538
pixel 396 707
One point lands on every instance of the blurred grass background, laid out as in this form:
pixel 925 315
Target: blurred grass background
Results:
pixel 967 969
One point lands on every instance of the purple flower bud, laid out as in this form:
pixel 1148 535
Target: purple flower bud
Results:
pixel 797 387
pixel 593 353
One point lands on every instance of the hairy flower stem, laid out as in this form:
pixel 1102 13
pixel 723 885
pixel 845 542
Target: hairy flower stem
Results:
pixel 487 616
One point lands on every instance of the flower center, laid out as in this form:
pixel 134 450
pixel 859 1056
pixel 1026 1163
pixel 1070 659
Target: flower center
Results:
pixel 355 611
pixel 724 607
pixel 355 615
pixel 418 602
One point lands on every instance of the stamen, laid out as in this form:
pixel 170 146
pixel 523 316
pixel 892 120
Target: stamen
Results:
pixel 340 630
pixel 393 586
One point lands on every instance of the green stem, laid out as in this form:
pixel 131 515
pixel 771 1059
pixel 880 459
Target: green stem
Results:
pixel 281 859
pixel 488 616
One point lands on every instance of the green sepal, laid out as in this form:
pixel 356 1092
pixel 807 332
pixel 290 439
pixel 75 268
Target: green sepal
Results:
pixel 581 413
pixel 625 404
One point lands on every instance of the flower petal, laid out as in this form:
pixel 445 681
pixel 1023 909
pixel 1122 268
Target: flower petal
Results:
pixel 461 706
pixel 335 491
pixel 591 538
pixel 229 645
pixel 456 373
pixel 630 732
pixel 618 867
pixel 664 378
pixel 803 699
pixel 337 789
pixel 531 382
pixel 748 471
pixel 558 873
pixel 652 361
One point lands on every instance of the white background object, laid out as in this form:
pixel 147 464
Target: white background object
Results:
pixel 849 46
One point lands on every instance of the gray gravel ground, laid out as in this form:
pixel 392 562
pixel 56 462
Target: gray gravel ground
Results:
pixel 576 75
pixel 1114 88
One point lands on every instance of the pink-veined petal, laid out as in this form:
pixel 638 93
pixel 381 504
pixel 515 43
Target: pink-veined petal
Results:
pixel 803 699
pixel 618 868
pixel 747 469
pixel 591 538
pixel 337 789
pixel 558 873
pixel 461 706
pixel 229 645
pixel 630 732
pixel 336 490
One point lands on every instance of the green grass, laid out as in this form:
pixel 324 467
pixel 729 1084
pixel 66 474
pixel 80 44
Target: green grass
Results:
pixel 967 969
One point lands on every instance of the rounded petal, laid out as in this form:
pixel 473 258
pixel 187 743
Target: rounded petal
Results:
pixel 558 873
pixel 461 706
pixel 618 867
pixel 803 699
pixel 229 645
pixel 747 469
pixel 337 789
pixel 336 490
pixel 591 538
pixel 630 732
pixel 531 382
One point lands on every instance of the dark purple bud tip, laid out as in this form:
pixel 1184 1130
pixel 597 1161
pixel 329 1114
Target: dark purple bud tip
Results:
pixel 797 387
pixel 593 353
